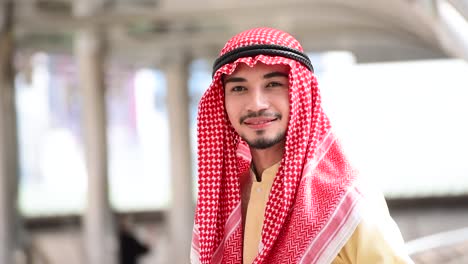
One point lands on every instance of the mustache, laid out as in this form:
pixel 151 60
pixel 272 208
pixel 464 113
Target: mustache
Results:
pixel 261 113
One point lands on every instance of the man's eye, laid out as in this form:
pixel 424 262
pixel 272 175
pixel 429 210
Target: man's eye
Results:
pixel 274 84
pixel 238 89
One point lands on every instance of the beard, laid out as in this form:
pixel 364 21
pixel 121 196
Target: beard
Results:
pixel 263 142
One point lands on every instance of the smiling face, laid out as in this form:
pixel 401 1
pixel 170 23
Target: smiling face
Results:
pixel 257 103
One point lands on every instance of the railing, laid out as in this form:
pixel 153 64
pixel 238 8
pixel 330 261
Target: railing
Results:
pixel 438 240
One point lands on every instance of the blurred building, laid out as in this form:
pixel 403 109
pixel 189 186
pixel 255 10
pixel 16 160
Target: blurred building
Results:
pixel 98 105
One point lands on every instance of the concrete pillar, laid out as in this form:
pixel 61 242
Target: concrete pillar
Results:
pixel 99 239
pixel 8 137
pixel 181 209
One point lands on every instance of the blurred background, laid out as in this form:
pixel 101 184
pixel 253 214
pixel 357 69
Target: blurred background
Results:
pixel 98 102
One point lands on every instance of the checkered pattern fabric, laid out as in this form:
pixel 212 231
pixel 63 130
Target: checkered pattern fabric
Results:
pixel 312 181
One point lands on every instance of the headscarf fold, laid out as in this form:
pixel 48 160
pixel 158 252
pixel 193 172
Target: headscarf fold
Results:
pixel 311 208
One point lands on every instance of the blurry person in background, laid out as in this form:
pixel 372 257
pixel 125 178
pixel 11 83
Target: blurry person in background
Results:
pixel 274 184
pixel 131 249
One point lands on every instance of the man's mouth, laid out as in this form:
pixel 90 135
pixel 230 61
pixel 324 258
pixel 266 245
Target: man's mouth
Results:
pixel 259 117
pixel 259 122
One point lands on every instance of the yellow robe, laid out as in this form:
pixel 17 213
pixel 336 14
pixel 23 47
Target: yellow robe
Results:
pixel 376 239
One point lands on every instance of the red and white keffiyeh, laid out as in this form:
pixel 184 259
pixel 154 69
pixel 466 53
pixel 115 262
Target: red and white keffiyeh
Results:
pixel 311 210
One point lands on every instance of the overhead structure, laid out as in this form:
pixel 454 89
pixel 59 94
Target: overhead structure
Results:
pixel 145 30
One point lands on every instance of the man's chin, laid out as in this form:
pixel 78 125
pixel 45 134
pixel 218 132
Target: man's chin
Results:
pixel 264 143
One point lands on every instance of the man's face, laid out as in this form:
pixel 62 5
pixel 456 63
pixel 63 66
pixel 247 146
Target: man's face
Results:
pixel 257 103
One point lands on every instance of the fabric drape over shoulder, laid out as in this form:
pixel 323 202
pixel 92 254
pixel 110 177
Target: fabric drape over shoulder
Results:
pixel 313 205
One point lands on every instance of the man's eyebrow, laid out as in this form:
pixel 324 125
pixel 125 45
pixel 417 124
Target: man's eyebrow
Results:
pixel 275 74
pixel 234 79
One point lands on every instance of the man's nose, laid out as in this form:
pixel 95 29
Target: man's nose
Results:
pixel 257 101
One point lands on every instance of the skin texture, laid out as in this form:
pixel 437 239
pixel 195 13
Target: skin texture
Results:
pixel 257 104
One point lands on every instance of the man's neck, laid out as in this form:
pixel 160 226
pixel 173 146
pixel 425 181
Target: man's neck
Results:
pixel 262 159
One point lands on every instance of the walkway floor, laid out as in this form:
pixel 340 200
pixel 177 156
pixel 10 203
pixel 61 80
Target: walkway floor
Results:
pixel 455 254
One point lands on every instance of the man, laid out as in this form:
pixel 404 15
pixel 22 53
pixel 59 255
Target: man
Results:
pixel 274 184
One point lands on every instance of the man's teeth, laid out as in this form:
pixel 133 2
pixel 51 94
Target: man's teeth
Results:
pixel 260 122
